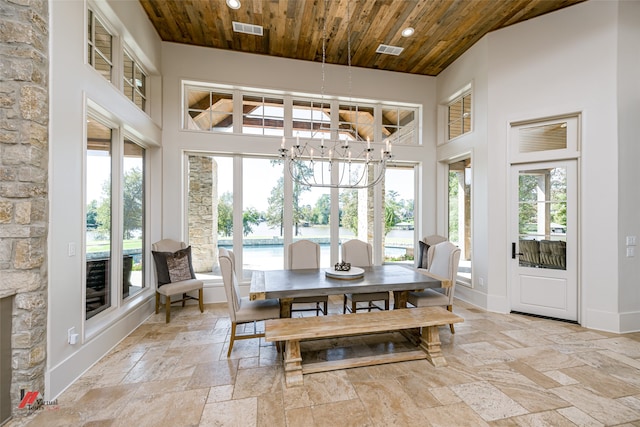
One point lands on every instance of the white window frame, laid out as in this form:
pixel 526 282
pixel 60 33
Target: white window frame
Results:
pixel 460 99
pixel 92 16
pixel 119 306
pixel 136 65
pixel 334 102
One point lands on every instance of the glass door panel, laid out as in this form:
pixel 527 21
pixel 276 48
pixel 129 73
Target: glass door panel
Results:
pixel 542 218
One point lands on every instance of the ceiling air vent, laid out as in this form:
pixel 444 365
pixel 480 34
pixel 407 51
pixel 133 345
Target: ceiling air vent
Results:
pixel 239 27
pixel 389 50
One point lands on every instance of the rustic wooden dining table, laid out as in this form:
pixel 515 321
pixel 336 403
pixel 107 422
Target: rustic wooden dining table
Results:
pixel 289 284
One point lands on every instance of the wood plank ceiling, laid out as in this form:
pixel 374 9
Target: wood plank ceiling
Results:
pixel 444 29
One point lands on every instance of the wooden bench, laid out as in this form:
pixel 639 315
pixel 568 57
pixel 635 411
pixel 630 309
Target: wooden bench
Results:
pixel 293 330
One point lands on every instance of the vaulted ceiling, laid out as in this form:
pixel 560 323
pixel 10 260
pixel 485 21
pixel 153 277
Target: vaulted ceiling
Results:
pixel 444 29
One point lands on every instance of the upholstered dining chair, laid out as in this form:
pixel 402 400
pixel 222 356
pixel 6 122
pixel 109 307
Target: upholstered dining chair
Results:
pixel 306 254
pixel 241 309
pixel 174 273
pixel 443 261
pixel 360 254
pixel 423 248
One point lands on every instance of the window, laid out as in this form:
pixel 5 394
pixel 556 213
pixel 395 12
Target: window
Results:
pixel 133 205
pixel 311 119
pixel 399 199
pixel 209 110
pixel 100 46
pixel 356 123
pixel 311 218
pixel 99 218
pixel 212 109
pixel 542 137
pixel 353 210
pixel 271 211
pixel 262 115
pixel 115 264
pixel 134 82
pixel 399 125
pixel 262 215
pixel 210 204
pixel 460 214
pixel 459 116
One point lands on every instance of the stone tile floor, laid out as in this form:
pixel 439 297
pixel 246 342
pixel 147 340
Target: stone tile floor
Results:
pixel 504 370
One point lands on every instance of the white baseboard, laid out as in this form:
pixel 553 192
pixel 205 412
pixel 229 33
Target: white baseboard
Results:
pixel 61 376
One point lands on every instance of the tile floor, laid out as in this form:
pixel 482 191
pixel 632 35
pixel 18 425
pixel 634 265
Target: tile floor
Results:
pixel 504 370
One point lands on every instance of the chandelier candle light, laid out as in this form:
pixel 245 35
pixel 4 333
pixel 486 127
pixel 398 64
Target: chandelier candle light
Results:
pixel 312 162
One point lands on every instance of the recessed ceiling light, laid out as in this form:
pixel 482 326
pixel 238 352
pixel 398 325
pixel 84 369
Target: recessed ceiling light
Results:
pixel 233 4
pixel 408 32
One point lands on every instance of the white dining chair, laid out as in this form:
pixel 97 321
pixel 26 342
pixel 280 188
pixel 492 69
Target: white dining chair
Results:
pixel 443 261
pixel 175 250
pixel 423 248
pixel 241 309
pixel 360 254
pixel 306 254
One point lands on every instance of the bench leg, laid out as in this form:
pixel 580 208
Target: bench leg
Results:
pixel 430 344
pixel 200 300
pixel 292 364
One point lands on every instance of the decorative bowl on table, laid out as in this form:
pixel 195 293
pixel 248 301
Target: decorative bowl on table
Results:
pixel 344 271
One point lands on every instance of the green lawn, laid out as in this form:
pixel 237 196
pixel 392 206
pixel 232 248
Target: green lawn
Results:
pixel 102 246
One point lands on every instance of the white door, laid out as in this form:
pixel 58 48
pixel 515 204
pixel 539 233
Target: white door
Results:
pixel 544 239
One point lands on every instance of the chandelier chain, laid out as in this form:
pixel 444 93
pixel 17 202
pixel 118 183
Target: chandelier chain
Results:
pixel 310 163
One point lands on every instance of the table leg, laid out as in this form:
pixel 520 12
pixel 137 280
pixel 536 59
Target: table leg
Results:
pixel 285 307
pixel 400 299
pixel 430 344
pixel 293 364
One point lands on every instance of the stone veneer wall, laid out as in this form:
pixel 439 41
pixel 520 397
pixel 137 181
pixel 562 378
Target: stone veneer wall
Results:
pixel 203 212
pixel 24 117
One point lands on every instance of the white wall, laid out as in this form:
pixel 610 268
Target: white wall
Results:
pixel 241 70
pixel 629 153
pixel 470 68
pixel 72 84
pixel 563 62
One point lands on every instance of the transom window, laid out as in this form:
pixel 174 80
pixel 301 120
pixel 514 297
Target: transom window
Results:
pixel 134 82
pixel 311 119
pixel 208 109
pixel 212 109
pixel 356 122
pixel 459 116
pixel 262 115
pixel 399 124
pixel 100 46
